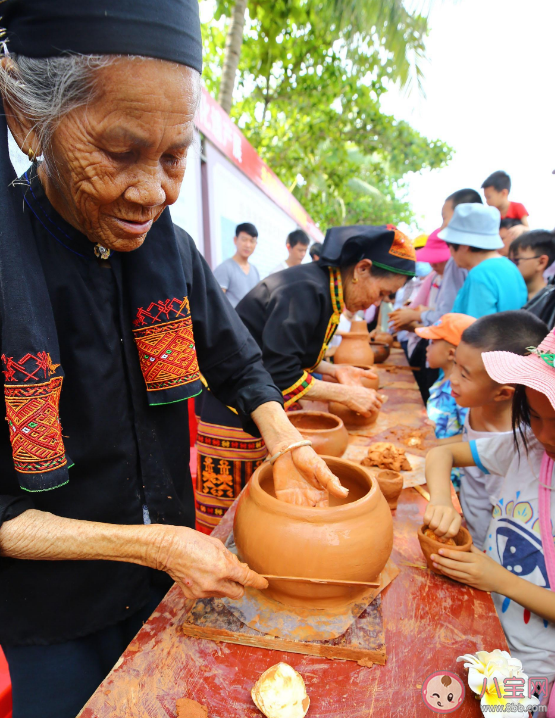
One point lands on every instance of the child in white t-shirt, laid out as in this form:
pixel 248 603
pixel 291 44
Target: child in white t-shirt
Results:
pixel 490 403
pixel 518 561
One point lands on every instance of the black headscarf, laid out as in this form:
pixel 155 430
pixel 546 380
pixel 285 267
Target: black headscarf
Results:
pixel 386 246
pixel 33 375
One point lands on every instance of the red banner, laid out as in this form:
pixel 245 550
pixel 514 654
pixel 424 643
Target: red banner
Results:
pixel 216 124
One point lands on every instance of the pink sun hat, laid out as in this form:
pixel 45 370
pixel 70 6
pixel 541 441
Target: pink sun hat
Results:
pixel 536 371
pixel 435 250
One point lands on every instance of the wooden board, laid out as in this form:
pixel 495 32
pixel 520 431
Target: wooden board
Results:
pixel 364 642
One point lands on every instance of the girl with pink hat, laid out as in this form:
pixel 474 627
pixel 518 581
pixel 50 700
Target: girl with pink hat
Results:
pixel 518 562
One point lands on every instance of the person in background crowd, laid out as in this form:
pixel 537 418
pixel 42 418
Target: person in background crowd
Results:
pixel 315 251
pixel 496 191
pixel 441 406
pixel 297 245
pixel 509 230
pixel 236 275
pixel 494 284
pixel 533 252
pixel 488 402
pixel 428 306
pixel 437 294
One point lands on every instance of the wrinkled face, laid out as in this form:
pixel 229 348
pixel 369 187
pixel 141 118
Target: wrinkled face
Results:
pixel 439 354
pixel 245 244
pixel 471 385
pixel 297 253
pixel 368 290
pixel 121 159
pixel 495 198
pixel 530 262
pixel 542 420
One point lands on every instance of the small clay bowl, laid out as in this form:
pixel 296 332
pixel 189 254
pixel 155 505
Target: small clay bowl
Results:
pixel 391 484
pixel 327 432
pixel 381 351
pixel 368 383
pixel 463 541
pixel 352 419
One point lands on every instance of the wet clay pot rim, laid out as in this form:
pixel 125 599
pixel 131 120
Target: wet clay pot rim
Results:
pixel 314 514
pixel 327 416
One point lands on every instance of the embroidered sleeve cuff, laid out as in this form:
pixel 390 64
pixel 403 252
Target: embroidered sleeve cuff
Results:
pixel 476 456
pixel 299 389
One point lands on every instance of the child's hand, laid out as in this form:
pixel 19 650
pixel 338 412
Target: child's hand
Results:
pixel 442 519
pixel 473 568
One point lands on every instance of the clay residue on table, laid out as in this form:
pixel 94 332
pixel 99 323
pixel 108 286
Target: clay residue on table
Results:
pixel 385 455
pixel 186 708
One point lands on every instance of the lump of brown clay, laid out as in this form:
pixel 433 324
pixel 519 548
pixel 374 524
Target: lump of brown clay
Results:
pixel 441 539
pixel 280 692
pixel 387 456
pixel 186 708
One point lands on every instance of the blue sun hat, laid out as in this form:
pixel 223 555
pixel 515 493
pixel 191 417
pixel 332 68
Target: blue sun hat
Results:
pixel 476 225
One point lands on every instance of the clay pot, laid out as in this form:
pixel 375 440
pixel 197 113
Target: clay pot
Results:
pixel 359 326
pixel 463 541
pixel 369 383
pixel 350 418
pixel 391 484
pixel 326 431
pixel 383 337
pixel 354 349
pixel 381 351
pixel 350 541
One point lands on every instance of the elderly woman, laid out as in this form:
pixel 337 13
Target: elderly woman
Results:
pixel 108 314
pixel 293 315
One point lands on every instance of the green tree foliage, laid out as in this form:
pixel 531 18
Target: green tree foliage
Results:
pixel 308 99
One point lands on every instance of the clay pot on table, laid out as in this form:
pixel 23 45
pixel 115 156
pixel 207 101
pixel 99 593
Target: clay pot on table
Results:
pixel 352 419
pixel 354 349
pixel 351 540
pixel 382 337
pixel 391 484
pixel 463 542
pixel 326 431
pixel 381 351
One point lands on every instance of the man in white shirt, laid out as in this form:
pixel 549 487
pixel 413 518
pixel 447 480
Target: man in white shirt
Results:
pixel 236 276
pixel 297 245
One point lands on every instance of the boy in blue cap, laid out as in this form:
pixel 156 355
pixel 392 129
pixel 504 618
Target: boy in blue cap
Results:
pixel 494 283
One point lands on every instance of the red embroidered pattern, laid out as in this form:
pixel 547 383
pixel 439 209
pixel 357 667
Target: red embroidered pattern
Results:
pixel 18 371
pixel 35 429
pixel 167 349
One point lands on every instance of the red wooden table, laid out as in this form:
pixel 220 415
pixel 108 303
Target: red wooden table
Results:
pixel 429 621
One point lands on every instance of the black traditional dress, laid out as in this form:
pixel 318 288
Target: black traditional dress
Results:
pixel 293 316
pixel 130 458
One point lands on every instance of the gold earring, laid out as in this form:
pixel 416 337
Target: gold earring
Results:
pixel 32 155
pixel 354 280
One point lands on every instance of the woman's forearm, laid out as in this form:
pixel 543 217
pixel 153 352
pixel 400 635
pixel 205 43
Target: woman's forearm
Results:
pixel 325 367
pixel 275 428
pixel 41 536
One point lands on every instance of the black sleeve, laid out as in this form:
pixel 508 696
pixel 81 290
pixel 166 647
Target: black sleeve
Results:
pixel 13 506
pixel 292 313
pixel 228 356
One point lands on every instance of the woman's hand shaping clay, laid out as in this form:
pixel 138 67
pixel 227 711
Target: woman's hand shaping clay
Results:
pixel 302 478
pixel 360 399
pixel 201 565
pixel 352 375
